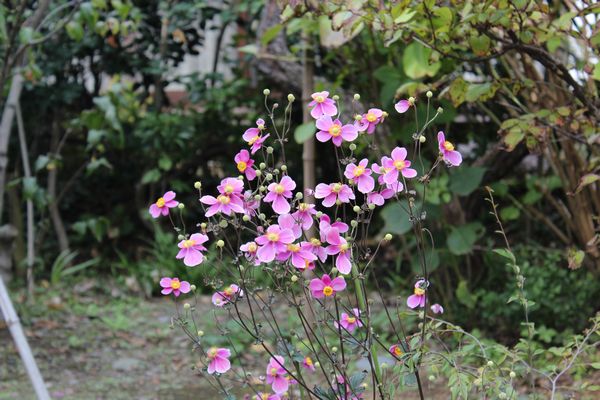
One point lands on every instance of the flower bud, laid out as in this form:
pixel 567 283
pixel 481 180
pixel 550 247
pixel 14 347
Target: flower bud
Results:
pixel 371 206
pixel 269 150
pixel 220 243
pixel 262 165
pixel 291 98
pixel 352 147
pixel 186 306
pixel 319 214
pixel 203 225
pixel 246 218
pixel 334 271
pixel 180 237
pixel 223 224
pixel 181 206
pixel 357 117
pixel 411 101
pixel 241 177
pixel 276 171
pixel 356 209
pixel 421 314
pixel 431 378
pixel 283 167
pixel 429 94
pixel 269 176
pixel 334 349
pixel 266 92
pixel 512 375
pixel 335 97
pixel 354 223
pixel 422 139
pixel 338 202
pixel 200 333
pixel 258 172
pixel 356 97
pixel 197 185
pixel 294 278
pixel 387 237
pixel 317 364
pixel 490 364
pixel 262 189
pixel 440 110
pixel 193 287
pixel 501 395
pixel 385 114
pixel 262 216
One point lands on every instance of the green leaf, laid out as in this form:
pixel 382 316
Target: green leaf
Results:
pixel 513 138
pixel 248 49
pixel 151 176
pixel 509 213
pixel 479 91
pixel 480 44
pixel 416 61
pixel 465 296
pixel 75 30
pixel 466 179
pixel 30 188
pixel 575 258
pixel 165 162
pixel 585 180
pixel 396 218
pixel 462 238
pixel 41 162
pixel 506 254
pixel 304 132
pixel 270 34
pixel 26 35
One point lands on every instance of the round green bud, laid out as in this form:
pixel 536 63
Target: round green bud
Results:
pixel 334 349
pixel 352 147
pixel 422 139
pixel 262 189
pixel 440 110
pixel 197 185
pixel 512 375
pixel 420 325
pixel 283 167
pixel 356 209
pixel 291 98
pixel 266 92
pixel 421 314
pixel 223 224
pixel 203 225
pixel 276 171
pixel 317 364
pixel 387 237
pixel 269 150
pixel 181 206
pixel 429 94
pixel 258 172
pixel 241 177
pixel 490 364
pixel 334 271
pixel 262 216
pixel 319 214
pixel 431 378
pixel 354 223
pixel 186 306
pixel 357 117
pixel 275 105
pixel 371 206
pixel 220 243
pixel 501 395
pixel 246 218
pixel 356 96
pixel 411 101
pixel 200 333
pixel 299 195
pixel 335 97
pixel 180 237
pixel 351 182
pixel 294 278
pixel 269 176
pixel 385 114
pixel 338 202
pixel 262 165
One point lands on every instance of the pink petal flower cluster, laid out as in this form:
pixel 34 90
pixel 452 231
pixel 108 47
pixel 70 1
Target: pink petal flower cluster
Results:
pixel 163 204
pixel 266 396
pixel 227 295
pixel 218 360
pixel 437 309
pixel 191 249
pixel 228 201
pixel 361 175
pixel 326 287
pixel 274 241
pixel 244 164
pixel 322 105
pixel 418 298
pixel 350 322
pixel 279 193
pixel 175 286
pixel 370 120
pixel 334 130
pixel 300 255
pixel 339 247
pixel 249 249
pixel 254 137
pixel 304 215
pixel 334 192
pixel 396 165
pixel 451 156
pixel 396 350
pixel 308 364
pixel 277 375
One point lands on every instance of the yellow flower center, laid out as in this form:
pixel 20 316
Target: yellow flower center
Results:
pixel 175 284
pixel 264 396
pixel 294 248
pixel 160 202
pixel 371 117
pixel 358 171
pixel 228 189
pixel 279 188
pixel 241 166
pixel 397 351
pixel 335 130
pixel 303 206
pixel 212 352
pixel 327 291
pixel 308 361
pixel 315 242
pixel 273 237
pixel 448 146
pixel 253 140
pixel 188 243
pixel 223 199
pixel 273 371
pixel 319 99
pixel 228 291
pixel 336 187
pixel 344 248
pixel 252 247
pixel 351 320
pixel 419 291
pixel 399 164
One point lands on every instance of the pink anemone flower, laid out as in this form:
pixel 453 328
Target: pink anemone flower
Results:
pixel 266 396
pixel 402 106
pixel 162 205
pixel 277 375
pixel 278 193
pixel 330 129
pixel 418 298
pixel 254 137
pixel 249 249
pixel 317 249
pixel 191 249
pixel 396 165
pixel 437 309
pixel 361 175
pixel 228 294
pixel 274 241
pixel 370 120
pixel 326 287
pixel 218 360
pixel 396 350
pixel 244 164
pixel 250 204
pixel 350 322
pixel 308 364
pixel 451 156
pixel 175 286
pixel 322 105
pixel 229 200
pixel 340 247
pixel 304 215
pixel 334 192
pixel 299 255
pixel 325 225
pixel 287 221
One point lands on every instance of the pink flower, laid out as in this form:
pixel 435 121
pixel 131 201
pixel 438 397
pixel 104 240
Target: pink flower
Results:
pixel 191 249
pixel 350 322
pixel 253 136
pixel 304 215
pixel 333 192
pixel 339 245
pixel 395 165
pixel 249 249
pixel 344 390
pixel 329 129
pixel 326 287
pixel 162 205
pixel 299 255
pixel 278 193
pixel 218 360
pixel 175 286
pixel 418 298
pixel 325 225
pixel 317 249
pixel 447 151
pixel 370 120
pixel 402 106
pixel 396 350
pixel 322 105
pixel 437 309
pixel 308 364
pixel 361 175
pixel 250 204
pixel 274 241
pixel 287 221
pixel 277 375
pixel 379 198
pixel 225 296
pixel 244 164
pixel 229 200
pixel 266 396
